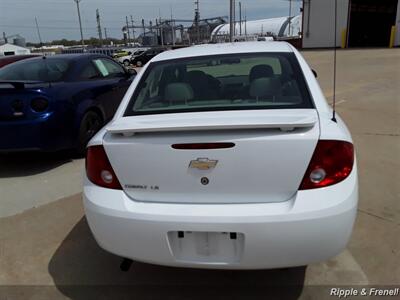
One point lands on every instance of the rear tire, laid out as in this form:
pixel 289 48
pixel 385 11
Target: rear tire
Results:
pixel 139 64
pixel 126 63
pixel 91 123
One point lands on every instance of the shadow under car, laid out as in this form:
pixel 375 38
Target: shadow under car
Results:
pixel 82 270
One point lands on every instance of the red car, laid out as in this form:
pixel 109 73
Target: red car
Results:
pixel 6 60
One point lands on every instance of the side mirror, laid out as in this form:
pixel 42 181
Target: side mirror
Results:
pixel 315 73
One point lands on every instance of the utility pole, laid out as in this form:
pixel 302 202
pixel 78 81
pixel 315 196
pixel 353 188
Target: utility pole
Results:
pixel 133 28
pixel 99 27
pixel 245 23
pixel 105 33
pixel 161 32
pixel 240 17
pixel 290 15
pixel 158 31
pixel 80 21
pixel 127 29
pixel 173 33
pixel 197 20
pixel 38 31
pixel 172 28
pixel 144 29
pixel 231 21
pixel 234 17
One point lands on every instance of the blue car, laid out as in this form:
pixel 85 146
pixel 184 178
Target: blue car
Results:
pixel 58 102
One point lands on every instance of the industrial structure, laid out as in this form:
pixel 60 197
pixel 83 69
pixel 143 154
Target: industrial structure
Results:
pixel 201 31
pixel 14 39
pixel 216 29
pixel 283 27
pixel 13 45
pixel 173 31
pixel 11 49
pixel 360 23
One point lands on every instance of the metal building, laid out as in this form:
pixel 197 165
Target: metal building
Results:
pixel 276 27
pixel 360 23
pixel 10 49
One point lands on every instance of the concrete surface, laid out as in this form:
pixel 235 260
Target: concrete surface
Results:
pixel 32 179
pixel 48 252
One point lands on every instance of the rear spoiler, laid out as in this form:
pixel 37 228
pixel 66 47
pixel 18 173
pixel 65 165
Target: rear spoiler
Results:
pixel 20 84
pixel 284 123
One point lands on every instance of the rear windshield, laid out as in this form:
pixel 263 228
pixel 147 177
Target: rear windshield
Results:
pixel 223 82
pixel 52 70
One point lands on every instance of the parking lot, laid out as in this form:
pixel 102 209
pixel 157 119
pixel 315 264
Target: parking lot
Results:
pixel 48 252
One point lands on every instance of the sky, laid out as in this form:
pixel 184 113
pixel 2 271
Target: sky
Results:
pixel 58 19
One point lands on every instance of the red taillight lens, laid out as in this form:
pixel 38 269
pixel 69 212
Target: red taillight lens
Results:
pixel 99 170
pixel 331 163
pixel 39 104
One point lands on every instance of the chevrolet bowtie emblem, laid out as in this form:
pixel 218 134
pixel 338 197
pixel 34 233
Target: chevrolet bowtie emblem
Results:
pixel 203 164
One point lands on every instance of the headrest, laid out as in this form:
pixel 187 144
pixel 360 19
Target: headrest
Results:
pixel 265 87
pixel 168 74
pixel 259 71
pixel 196 73
pixel 178 92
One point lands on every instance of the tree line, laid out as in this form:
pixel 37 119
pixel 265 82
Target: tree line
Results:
pixel 89 42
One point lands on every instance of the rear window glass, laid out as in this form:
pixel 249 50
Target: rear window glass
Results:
pixel 223 82
pixel 49 69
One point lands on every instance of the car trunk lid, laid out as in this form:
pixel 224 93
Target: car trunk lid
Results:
pixel 268 155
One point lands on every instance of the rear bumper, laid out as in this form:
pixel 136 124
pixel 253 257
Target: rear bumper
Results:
pixel 41 134
pixel 313 226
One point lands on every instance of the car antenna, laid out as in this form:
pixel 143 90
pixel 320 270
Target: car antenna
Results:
pixel 334 69
pixel 44 58
pixel 41 46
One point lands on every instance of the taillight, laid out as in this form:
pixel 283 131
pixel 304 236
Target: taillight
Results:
pixel 39 104
pixel 331 163
pixel 99 170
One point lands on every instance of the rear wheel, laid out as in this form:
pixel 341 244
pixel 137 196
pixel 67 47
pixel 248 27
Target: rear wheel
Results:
pixel 90 124
pixel 139 64
pixel 126 63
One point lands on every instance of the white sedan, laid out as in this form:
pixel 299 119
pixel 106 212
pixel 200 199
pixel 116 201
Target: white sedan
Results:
pixel 223 156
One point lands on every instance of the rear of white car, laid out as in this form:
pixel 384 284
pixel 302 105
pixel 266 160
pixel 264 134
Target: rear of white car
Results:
pixel 223 156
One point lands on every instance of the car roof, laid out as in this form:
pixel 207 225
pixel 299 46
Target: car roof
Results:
pixel 17 57
pixel 224 48
pixel 74 56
